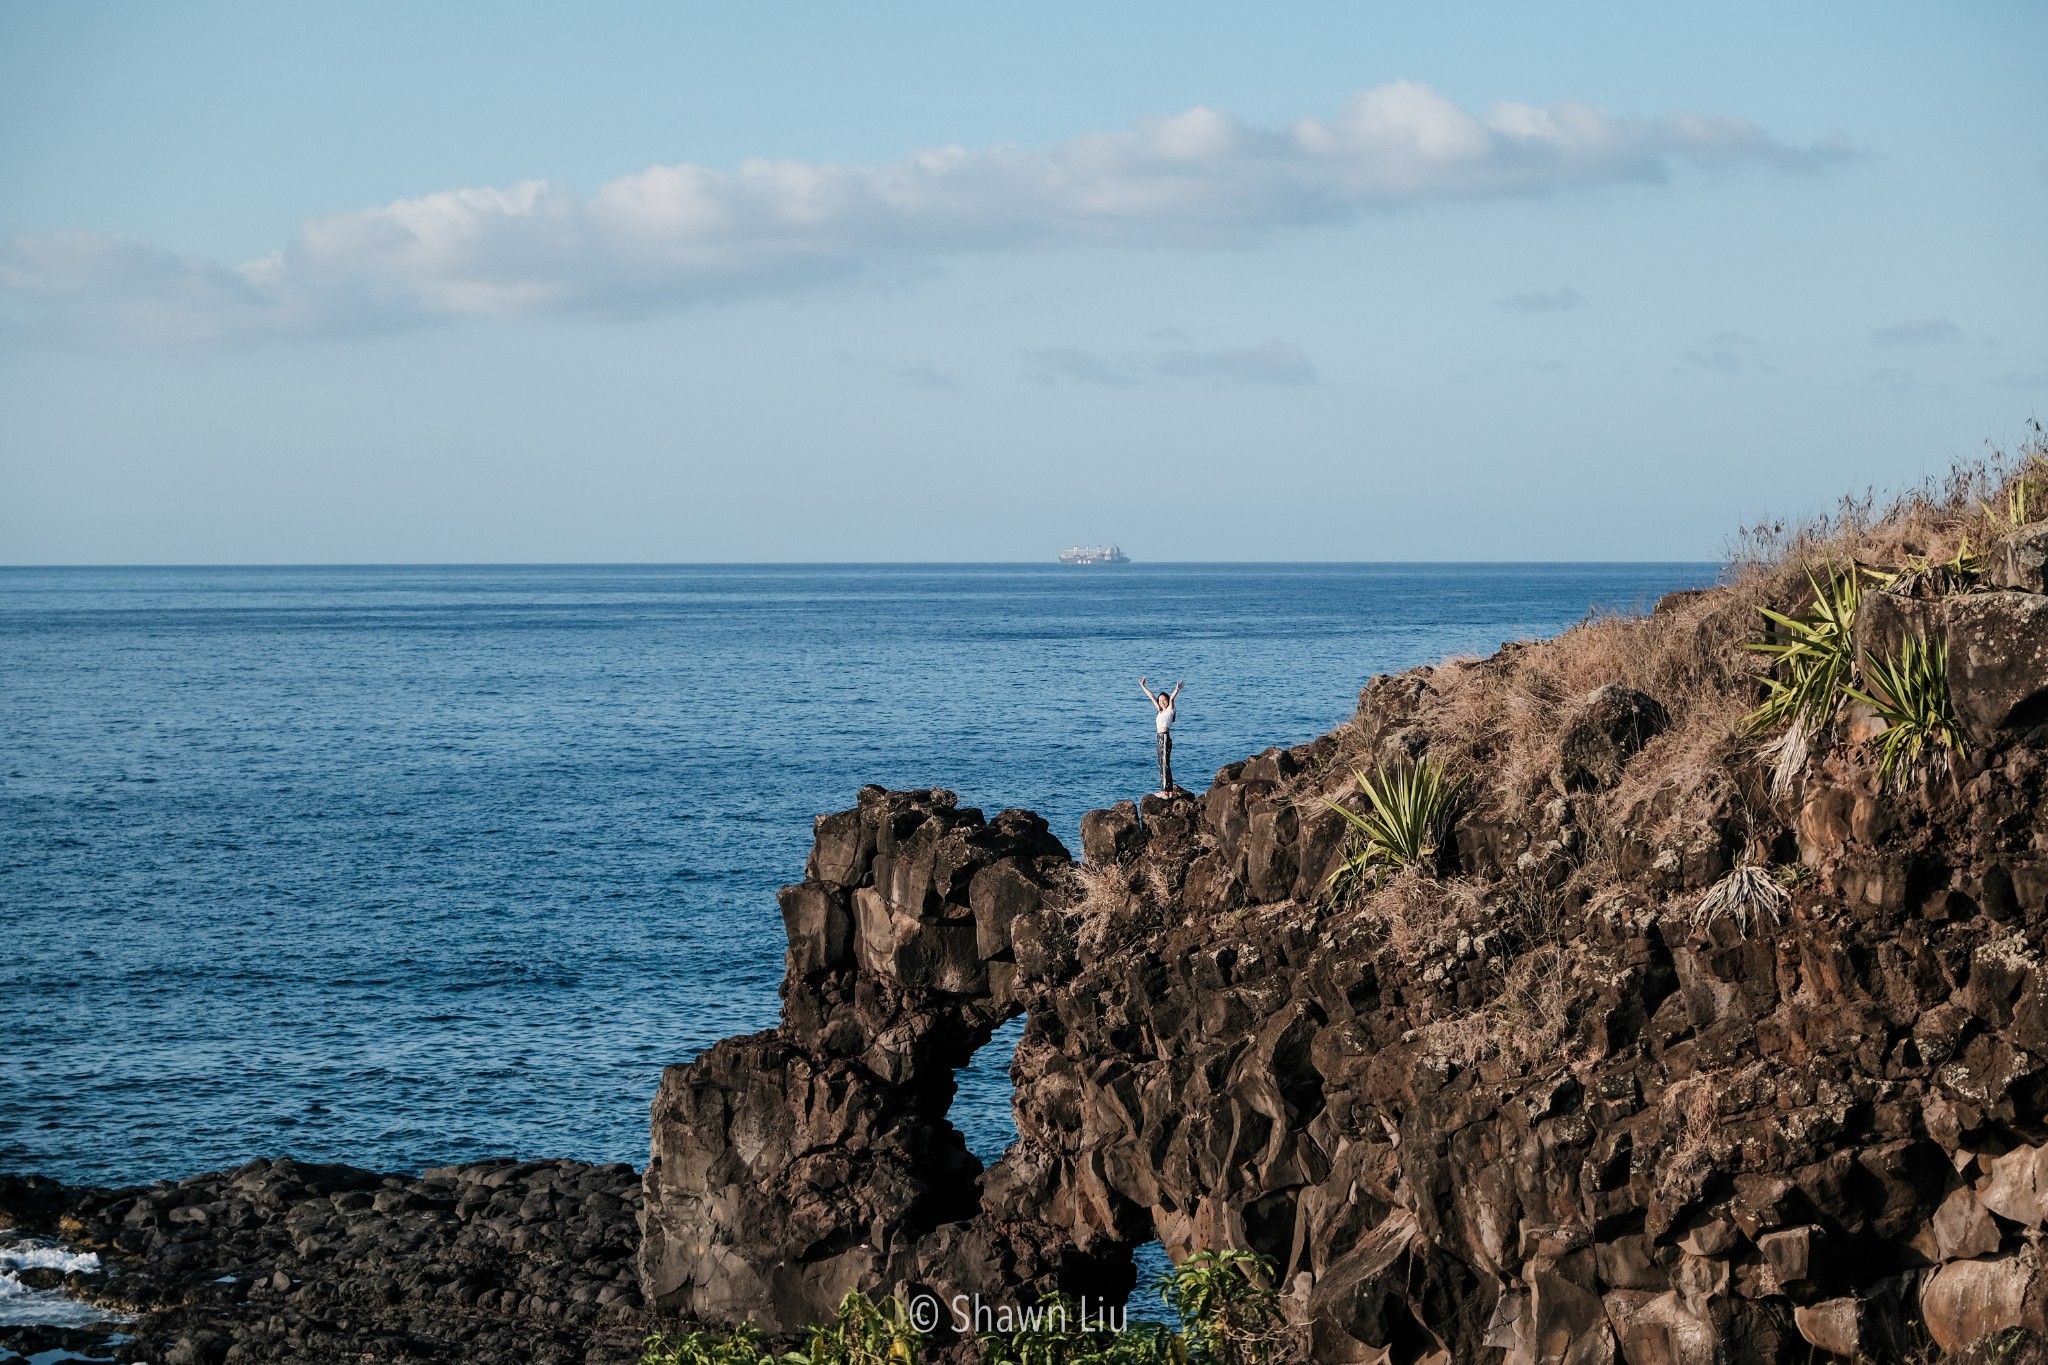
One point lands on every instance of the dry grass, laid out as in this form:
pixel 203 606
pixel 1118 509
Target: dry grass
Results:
pixel 1500 719
pixel 1420 916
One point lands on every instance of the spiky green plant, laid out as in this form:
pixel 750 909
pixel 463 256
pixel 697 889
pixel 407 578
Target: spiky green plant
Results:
pixel 1410 813
pixel 1227 1306
pixel 2024 495
pixel 1817 656
pixel 1910 694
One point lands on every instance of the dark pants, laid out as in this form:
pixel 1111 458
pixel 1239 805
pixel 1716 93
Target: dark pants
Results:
pixel 1166 760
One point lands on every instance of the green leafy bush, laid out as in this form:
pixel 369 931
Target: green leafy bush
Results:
pixel 1910 694
pixel 1051 1337
pixel 863 1333
pixel 1228 1309
pixel 1410 813
pixel 744 1345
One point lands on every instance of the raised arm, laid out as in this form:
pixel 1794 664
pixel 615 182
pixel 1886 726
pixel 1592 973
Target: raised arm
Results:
pixel 1148 692
pixel 1175 693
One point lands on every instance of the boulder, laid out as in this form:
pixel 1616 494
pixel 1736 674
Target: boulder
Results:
pixel 1998 664
pixel 1964 1302
pixel 2019 561
pixel 1609 726
pixel 1113 835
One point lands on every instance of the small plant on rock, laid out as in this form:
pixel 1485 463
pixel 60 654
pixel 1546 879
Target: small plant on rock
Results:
pixel 1910 694
pixel 1750 895
pixel 1409 816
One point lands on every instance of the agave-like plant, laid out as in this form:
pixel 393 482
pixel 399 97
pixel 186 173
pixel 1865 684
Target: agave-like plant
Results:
pixel 1410 814
pixel 1910 694
pixel 2023 495
pixel 1749 895
pixel 1817 652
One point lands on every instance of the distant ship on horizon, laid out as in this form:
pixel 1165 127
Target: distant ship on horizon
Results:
pixel 1094 554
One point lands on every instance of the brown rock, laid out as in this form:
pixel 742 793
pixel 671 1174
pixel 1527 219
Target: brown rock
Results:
pixel 1998 663
pixel 2019 561
pixel 1964 1302
pixel 1962 1228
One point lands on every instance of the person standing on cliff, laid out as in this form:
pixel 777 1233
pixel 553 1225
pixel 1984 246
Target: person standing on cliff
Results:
pixel 1162 720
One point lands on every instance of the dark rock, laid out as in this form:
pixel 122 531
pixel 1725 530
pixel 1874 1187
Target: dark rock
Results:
pixel 1111 836
pixel 248 1282
pixel 1998 663
pixel 2019 561
pixel 1607 728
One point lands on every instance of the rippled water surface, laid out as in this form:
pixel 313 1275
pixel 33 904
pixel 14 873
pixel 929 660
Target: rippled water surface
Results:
pixel 402 866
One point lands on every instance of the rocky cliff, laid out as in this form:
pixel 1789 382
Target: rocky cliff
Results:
pixel 1542 1101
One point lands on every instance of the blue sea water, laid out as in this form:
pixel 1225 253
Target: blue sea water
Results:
pixel 404 866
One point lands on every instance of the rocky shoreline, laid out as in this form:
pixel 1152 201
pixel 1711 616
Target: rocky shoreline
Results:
pixel 495 1261
pixel 1683 1046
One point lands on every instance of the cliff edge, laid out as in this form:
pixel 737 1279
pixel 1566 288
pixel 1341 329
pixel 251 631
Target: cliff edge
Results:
pixel 1701 1036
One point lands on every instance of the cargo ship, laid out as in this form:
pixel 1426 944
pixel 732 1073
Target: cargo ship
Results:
pixel 1094 554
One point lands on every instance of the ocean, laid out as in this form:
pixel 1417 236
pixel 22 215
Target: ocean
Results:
pixel 404 866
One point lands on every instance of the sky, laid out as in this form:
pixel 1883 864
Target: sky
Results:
pixel 916 282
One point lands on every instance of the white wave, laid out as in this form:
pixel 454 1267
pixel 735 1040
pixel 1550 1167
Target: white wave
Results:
pixel 24 1306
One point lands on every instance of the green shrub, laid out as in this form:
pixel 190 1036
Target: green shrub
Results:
pixel 1910 694
pixel 1051 1339
pixel 1410 815
pixel 744 1345
pixel 1228 1309
pixel 864 1333
pixel 1817 656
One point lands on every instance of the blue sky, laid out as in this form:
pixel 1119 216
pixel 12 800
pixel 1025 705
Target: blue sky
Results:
pixel 374 282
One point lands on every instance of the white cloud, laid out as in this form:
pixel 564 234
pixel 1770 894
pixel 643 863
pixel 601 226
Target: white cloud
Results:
pixel 1729 353
pixel 1562 299
pixel 1081 367
pixel 1270 362
pixel 673 236
pixel 1918 332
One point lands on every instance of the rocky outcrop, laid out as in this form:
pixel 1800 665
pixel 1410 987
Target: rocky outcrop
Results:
pixel 497 1261
pixel 793 1165
pixel 1536 1109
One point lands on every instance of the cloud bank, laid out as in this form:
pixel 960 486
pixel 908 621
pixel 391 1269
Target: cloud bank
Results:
pixel 674 236
pixel 1562 299
pixel 1270 362
pixel 1918 332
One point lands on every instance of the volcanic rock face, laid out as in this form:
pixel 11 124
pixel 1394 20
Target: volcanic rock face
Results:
pixel 793 1165
pixel 1519 1122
